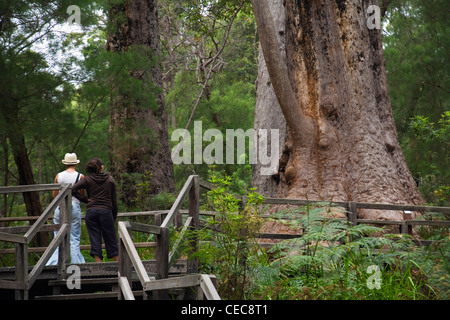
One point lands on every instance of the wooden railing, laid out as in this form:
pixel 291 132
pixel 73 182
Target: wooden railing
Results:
pixel 165 256
pixel 405 225
pixel 24 280
pixel 129 257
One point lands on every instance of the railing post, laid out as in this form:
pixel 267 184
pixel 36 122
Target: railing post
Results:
pixel 125 264
pixel 21 270
pixel 162 257
pixel 194 210
pixel 406 227
pixel 64 248
pixel 352 213
pixel 178 221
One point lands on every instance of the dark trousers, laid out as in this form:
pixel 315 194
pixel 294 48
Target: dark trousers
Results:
pixel 100 223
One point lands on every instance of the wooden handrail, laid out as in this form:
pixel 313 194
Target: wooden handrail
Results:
pixel 29 188
pixel 66 191
pixel 14 238
pixel 24 280
pixel 208 288
pixel 40 221
pixel 132 253
pixel 125 289
pixel 164 259
pixel 57 240
pixel 178 202
pixel 360 205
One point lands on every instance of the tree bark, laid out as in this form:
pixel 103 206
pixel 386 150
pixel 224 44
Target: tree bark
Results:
pixel 135 23
pixel 268 114
pixel 16 138
pixel 342 143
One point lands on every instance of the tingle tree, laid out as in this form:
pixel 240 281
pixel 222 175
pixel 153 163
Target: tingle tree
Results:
pixel 331 85
pixel 139 143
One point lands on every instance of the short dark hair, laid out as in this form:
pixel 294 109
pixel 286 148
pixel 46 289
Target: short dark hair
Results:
pixel 94 166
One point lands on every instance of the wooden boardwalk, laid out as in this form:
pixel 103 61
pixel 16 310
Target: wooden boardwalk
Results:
pixel 95 277
pixel 132 278
pixel 154 279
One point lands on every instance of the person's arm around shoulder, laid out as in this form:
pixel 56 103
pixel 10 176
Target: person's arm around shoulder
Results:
pixel 82 191
pixel 78 188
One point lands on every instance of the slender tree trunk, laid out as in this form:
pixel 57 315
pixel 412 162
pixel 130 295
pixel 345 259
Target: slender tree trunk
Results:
pixel 16 139
pixel 133 149
pixel 342 143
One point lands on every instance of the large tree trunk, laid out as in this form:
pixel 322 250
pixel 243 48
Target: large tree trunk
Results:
pixel 133 149
pixel 342 143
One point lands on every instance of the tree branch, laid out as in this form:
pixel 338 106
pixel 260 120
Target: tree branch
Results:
pixel 278 73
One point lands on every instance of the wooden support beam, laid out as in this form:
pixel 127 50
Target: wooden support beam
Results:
pixel 352 213
pixel 11 284
pixel 21 271
pixel 172 283
pixel 8 237
pixel 135 226
pixel 194 209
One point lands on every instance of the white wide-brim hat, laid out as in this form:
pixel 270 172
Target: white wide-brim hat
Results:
pixel 70 158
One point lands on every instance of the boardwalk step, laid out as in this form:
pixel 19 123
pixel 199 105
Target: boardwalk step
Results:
pixel 85 281
pixel 85 296
pixel 177 294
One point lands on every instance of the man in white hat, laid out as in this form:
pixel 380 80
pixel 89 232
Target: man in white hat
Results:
pixel 70 159
pixel 70 175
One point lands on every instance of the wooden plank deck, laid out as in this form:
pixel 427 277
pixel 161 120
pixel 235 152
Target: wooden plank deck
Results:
pixel 90 270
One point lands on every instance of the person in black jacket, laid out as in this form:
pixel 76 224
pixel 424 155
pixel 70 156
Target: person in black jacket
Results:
pixel 101 212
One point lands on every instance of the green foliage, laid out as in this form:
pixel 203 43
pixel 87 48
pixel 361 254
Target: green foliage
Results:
pixel 417 42
pixel 229 99
pixel 145 202
pixel 228 244
pixel 435 161
pixel 39 73
pixel 426 130
pixel 325 264
pixel 200 14
pixel 331 260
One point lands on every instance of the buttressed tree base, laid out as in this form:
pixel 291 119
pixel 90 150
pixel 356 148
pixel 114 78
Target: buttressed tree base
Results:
pixel 341 142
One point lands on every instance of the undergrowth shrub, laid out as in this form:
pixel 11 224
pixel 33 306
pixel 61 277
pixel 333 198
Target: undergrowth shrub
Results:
pixel 331 260
pixel 228 246
pixel 335 260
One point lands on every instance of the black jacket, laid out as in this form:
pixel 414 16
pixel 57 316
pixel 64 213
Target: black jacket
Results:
pixel 101 192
